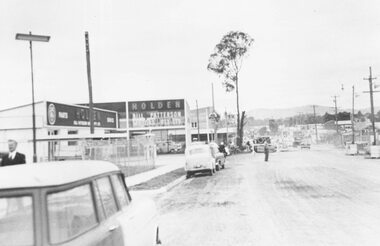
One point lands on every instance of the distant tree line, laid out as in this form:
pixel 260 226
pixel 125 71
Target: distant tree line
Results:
pixel 303 119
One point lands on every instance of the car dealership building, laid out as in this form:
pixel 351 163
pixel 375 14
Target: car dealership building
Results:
pixel 168 120
pixel 53 120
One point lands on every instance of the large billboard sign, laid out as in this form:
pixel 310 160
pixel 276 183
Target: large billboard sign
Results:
pixel 159 113
pixel 68 115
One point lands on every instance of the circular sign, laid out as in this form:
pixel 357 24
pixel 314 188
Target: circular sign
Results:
pixel 52 114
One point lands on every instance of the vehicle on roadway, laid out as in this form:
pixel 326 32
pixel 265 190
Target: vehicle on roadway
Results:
pixel 199 159
pixel 260 148
pixel 220 158
pixel 76 203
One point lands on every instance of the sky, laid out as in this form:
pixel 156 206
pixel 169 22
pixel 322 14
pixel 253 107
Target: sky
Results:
pixel 303 51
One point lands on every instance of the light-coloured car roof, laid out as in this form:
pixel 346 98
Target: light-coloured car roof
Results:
pixel 51 173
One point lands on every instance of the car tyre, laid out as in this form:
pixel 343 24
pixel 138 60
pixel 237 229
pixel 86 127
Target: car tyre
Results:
pixel 211 172
pixel 188 175
pixel 217 167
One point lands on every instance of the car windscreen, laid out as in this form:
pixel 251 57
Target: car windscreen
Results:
pixel 197 151
pixel 16 221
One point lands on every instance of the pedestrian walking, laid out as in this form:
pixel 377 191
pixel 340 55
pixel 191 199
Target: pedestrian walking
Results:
pixel 266 150
pixel 13 157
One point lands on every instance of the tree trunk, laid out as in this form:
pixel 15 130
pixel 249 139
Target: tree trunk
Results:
pixel 241 132
pixel 239 141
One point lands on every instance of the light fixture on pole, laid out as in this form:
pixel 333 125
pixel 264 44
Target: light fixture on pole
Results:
pixel 32 38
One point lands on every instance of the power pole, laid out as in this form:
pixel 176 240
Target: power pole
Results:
pixel 336 114
pixel 199 136
pixel 315 125
pixel 213 111
pixel 227 119
pixel 91 106
pixel 370 78
pixel 353 115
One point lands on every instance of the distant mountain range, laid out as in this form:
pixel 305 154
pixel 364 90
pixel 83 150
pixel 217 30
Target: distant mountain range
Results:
pixel 264 113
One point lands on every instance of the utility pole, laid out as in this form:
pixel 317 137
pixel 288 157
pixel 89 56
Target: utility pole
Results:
pixel 213 102
pixel 370 78
pixel 91 106
pixel 199 136
pixel 315 125
pixel 336 115
pixel 214 113
pixel 227 119
pixel 353 115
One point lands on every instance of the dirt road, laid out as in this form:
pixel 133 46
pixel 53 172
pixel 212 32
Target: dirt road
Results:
pixel 316 197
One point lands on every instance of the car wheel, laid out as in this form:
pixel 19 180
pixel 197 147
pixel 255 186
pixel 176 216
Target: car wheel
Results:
pixel 211 172
pixel 217 167
pixel 188 175
pixel 223 166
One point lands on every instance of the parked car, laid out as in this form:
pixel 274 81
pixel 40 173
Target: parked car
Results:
pixel 259 148
pixel 76 203
pixel 305 145
pixel 199 159
pixel 169 147
pixel 220 158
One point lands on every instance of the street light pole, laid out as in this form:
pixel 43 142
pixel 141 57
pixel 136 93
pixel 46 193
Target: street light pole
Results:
pixel 353 114
pixel 29 37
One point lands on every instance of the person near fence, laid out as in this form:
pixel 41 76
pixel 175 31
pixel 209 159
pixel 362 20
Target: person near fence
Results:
pixel 13 157
pixel 266 151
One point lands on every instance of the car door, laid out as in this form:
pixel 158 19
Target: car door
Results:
pixel 110 210
pixel 72 218
pixel 137 218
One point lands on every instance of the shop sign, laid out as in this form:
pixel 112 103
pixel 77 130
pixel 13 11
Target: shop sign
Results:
pixel 160 113
pixel 69 115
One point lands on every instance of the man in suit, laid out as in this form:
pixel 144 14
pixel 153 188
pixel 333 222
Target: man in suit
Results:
pixel 13 158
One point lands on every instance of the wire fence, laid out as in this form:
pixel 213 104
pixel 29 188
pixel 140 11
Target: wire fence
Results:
pixel 132 156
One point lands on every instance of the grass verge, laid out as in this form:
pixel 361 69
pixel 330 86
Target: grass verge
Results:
pixel 160 181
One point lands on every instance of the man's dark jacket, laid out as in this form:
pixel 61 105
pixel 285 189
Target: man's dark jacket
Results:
pixel 19 159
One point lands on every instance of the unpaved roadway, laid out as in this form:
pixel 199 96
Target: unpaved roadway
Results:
pixel 316 197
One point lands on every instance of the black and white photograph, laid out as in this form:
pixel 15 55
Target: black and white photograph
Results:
pixel 182 123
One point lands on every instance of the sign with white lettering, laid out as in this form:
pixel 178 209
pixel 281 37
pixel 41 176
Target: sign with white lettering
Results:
pixel 156 113
pixel 69 115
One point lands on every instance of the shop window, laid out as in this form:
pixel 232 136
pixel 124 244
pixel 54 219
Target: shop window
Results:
pixel 53 132
pixel 72 143
pixel 72 132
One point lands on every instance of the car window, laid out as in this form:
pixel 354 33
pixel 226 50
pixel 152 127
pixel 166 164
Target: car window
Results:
pixel 198 151
pixel 70 213
pixel 120 190
pixel 16 221
pixel 101 209
pixel 106 196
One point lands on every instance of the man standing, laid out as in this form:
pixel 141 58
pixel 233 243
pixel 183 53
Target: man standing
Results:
pixel 13 158
pixel 266 150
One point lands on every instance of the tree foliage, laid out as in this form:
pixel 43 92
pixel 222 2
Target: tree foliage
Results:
pixel 227 59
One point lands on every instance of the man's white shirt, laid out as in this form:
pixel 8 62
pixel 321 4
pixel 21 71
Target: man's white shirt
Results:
pixel 12 155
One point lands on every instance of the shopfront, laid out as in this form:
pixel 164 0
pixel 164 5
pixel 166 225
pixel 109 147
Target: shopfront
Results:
pixel 168 120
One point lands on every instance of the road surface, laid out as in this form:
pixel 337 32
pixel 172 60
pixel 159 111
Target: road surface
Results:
pixel 316 197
